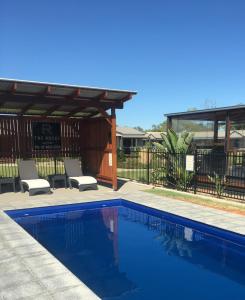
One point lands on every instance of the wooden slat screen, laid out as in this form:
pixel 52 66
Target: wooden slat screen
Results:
pixel 89 139
pixel 16 136
pixel 96 147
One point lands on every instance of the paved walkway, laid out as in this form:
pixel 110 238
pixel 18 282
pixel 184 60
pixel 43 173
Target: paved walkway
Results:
pixel 29 271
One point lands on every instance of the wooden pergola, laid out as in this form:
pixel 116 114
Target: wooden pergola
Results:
pixel 85 124
pixel 223 114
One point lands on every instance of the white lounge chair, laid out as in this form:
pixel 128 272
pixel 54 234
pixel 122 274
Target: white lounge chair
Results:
pixel 29 178
pixel 75 174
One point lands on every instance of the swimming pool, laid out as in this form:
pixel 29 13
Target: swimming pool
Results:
pixel 126 251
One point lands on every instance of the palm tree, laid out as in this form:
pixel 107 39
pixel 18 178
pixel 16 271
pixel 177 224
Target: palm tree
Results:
pixel 174 143
pixel 174 148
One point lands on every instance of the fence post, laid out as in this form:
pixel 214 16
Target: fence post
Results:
pixel 148 165
pixel 195 171
pixel 55 166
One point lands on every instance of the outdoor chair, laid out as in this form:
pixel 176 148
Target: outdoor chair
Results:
pixel 29 178
pixel 75 175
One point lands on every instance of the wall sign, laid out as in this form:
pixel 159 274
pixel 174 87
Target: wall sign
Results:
pixel 110 160
pixel 189 163
pixel 46 136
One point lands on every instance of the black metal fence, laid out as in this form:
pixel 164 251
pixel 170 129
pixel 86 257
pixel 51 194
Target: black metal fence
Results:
pixel 214 173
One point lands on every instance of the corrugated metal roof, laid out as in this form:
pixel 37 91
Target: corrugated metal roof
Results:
pixel 18 95
pixel 129 132
pixel 40 84
pixel 207 114
pixel 206 110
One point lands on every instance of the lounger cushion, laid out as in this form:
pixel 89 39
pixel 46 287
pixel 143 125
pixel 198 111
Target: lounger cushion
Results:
pixel 28 170
pixel 84 180
pixel 73 167
pixel 36 183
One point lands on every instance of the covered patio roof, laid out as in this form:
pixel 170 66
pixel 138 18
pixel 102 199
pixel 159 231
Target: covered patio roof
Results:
pixel 31 98
pixel 235 112
pixel 225 114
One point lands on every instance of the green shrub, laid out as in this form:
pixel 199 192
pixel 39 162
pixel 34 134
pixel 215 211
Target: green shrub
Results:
pixel 219 183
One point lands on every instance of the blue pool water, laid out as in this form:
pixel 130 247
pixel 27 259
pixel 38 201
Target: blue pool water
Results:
pixel 126 251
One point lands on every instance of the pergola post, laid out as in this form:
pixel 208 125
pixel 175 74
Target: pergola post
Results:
pixel 169 123
pixel 216 128
pixel 227 132
pixel 22 138
pixel 114 149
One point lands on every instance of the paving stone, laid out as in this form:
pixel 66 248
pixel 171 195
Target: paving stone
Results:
pixel 17 278
pixel 11 265
pixel 5 254
pixel 43 271
pixel 26 241
pixel 75 293
pixel 237 222
pixel 60 281
pixel 21 291
pixel 31 250
pixel 38 260
pixel 12 236
pixel 44 296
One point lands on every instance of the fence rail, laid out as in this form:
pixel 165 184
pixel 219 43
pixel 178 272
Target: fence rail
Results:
pixel 221 174
pixel 47 162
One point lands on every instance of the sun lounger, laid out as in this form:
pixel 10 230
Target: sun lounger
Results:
pixel 29 178
pixel 75 174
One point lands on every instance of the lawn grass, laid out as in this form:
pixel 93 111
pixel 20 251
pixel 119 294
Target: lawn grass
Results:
pixel 133 174
pixel 226 205
pixel 43 170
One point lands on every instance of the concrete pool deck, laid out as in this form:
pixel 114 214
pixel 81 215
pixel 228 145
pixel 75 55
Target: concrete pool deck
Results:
pixel 29 271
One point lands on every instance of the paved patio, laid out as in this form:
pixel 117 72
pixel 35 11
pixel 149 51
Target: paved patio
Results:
pixel 29 271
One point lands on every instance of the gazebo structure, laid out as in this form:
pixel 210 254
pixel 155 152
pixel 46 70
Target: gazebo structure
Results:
pixel 228 117
pixel 43 120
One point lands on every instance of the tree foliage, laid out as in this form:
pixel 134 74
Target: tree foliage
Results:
pixel 174 143
pixel 139 128
pixel 182 125
pixel 219 183
pixel 161 127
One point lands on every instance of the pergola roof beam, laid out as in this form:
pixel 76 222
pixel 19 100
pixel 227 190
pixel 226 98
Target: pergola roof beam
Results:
pixel 102 96
pixel 103 113
pixel 75 94
pixel 47 91
pixel 26 108
pixel 80 108
pixel 51 110
pixel 56 100
pixel 128 97
pixel 74 111
pixel 13 88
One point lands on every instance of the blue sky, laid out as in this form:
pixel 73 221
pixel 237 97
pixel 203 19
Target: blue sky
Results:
pixel 176 54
